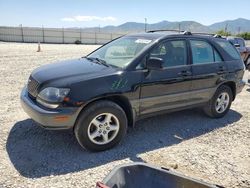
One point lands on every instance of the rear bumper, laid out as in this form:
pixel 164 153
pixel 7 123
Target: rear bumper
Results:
pixel 240 86
pixel 61 118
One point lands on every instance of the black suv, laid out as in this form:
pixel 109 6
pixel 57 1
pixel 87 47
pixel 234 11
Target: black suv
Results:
pixel 130 78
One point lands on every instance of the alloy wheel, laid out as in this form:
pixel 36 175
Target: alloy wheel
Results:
pixel 103 128
pixel 222 102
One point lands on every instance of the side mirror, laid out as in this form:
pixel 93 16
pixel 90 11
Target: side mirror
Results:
pixel 237 45
pixel 154 63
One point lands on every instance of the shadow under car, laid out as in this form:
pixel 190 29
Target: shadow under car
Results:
pixel 36 152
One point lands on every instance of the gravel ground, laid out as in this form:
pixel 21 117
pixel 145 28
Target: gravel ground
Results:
pixel 214 150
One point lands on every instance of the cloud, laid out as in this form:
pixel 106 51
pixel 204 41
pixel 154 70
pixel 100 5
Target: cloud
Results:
pixel 68 19
pixel 88 19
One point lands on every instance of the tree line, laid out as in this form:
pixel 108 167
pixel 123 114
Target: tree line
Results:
pixel 245 35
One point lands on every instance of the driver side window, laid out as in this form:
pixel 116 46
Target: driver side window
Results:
pixel 173 53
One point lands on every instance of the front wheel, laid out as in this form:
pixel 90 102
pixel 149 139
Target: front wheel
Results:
pixel 220 104
pixel 101 126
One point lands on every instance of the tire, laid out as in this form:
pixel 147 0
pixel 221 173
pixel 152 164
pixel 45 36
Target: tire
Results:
pixel 91 129
pixel 212 108
pixel 248 63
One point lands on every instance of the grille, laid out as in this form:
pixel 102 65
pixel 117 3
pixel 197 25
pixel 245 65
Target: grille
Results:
pixel 33 87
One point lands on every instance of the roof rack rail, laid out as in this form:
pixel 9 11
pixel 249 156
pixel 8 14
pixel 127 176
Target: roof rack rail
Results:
pixel 208 34
pixel 217 36
pixel 162 30
pixel 200 33
pixel 186 32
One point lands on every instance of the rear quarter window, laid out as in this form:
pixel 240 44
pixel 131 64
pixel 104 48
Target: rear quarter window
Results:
pixel 229 48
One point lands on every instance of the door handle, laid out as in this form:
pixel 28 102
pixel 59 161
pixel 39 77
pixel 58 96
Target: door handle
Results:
pixel 222 70
pixel 185 73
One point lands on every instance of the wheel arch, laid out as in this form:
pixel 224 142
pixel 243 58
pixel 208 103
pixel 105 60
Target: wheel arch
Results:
pixel 122 101
pixel 232 86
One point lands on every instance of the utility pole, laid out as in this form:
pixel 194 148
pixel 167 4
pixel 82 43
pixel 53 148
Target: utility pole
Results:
pixel 81 34
pixel 239 30
pixel 43 34
pixel 226 28
pixel 22 32
pixel 63 35
pixel 145 24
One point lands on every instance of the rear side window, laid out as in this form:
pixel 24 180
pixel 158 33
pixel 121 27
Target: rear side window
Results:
pixel 229 48
pixel 203 52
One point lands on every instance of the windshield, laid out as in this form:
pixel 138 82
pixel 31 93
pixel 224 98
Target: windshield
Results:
pixel 122 51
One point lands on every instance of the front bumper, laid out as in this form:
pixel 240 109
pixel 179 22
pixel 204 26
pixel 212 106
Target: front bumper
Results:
pixel 61 118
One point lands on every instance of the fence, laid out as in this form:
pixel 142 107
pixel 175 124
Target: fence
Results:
pixel 54 35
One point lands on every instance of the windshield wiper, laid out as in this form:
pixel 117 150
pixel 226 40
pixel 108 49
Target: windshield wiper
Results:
pixel 98 60
pixel 102 61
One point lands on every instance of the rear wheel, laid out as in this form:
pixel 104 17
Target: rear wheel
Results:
pixel 101 126
pixel 220 104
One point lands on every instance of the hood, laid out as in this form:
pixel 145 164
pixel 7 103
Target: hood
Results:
pixel 65 70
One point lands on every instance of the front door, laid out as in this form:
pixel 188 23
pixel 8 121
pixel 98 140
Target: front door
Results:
pixel 167 88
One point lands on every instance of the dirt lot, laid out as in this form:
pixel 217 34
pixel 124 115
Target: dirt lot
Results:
pixel 215 150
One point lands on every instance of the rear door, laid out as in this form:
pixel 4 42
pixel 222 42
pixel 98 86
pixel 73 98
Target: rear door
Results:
pixel 207 68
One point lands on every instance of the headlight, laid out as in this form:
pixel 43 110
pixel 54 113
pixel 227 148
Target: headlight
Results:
pixel 51 96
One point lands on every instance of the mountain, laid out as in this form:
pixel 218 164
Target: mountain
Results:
pixel 184 25
pixel 126 27
pixel 232 25
pixel 140 27
pixel 132 27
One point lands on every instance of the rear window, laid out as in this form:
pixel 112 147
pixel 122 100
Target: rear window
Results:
pixel 229 48
pixel 241 42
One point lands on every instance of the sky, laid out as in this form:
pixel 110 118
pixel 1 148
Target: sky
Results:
pixel 91 13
